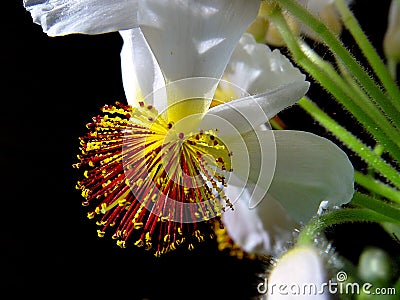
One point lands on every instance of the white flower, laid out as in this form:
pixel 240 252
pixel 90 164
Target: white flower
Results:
pixel 309 170
pixel 299 274
pixel 173 57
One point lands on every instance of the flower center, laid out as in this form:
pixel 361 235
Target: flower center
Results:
pixel 144 177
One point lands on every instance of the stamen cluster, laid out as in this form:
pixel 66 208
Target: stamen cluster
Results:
pixel 151 184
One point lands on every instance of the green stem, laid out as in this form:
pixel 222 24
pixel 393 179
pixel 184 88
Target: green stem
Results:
pixel 354 144
pixel 377 187
pixel 367 114
pixel 369 52
pixel 350 86
pixel 379 206
pixel 340 216
pixel 378 150
pixel 348 60
pixel 315 59
pixel 352 89
pixel 355 85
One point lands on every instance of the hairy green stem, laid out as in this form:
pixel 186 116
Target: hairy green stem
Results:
pixel 335 217
pixel 376 94
pixel 353 143
pixel 377 187
pixel 353 89
pixel 355 85
pixel 370 118
pixel 379 206
pixel 369 52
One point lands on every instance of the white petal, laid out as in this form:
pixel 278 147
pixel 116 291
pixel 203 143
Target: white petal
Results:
pixel 310 170
pixel 299 274
pixel 195 38
pixel 141 75
pixel 259 167
pixel 256 69
pixel 248 113
pixel 60 17
pixel 266 229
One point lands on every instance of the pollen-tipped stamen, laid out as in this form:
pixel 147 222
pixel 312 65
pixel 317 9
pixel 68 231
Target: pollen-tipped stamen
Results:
pixel 155 186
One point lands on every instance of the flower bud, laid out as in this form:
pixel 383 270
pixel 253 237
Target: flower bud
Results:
pixel 391 40
pixel 259 29
pixel 374 265
pixel 326 11
pixel 274 38
pixel 299 268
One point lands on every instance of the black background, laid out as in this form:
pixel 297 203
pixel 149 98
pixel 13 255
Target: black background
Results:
pixel 50 88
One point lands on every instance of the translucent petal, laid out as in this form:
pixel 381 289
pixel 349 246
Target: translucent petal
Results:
pixel 310 171
pixel 266 229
